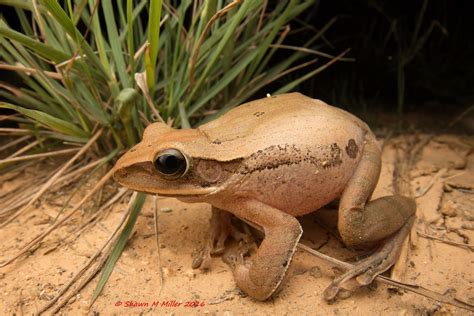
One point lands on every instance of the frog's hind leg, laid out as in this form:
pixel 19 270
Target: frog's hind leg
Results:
pixel 221 228
pixel 386 220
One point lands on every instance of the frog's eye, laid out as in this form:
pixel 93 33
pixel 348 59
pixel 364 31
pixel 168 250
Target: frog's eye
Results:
pixel 171 164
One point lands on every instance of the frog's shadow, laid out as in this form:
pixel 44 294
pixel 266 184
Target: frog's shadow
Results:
pixel 320 232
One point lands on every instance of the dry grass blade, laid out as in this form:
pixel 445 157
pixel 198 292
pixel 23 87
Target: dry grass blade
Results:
pixel 140 79
pixel 459 117
pixel 8 117
pixel 88 264
pixel 434 179
pixel 42 235
pixel 311 51
pixel 8 176
pixel 91 274
pixel 15 131
pixel 55 177
pixel 17 200
pixel 30 71
pixel 296 82
pixel 14 142
pixel 25 196
pixel 24 149
pixel 19 191
pixel 101 213
pixel 38 156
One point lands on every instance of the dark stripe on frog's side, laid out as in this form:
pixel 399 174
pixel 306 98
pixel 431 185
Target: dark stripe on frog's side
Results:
pixel 275 156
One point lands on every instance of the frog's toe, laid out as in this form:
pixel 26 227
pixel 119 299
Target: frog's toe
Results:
pixel 233 259
pixel 366 270
pixel 368 276
pixel 235 256
pixel 330 292
pixel 202 259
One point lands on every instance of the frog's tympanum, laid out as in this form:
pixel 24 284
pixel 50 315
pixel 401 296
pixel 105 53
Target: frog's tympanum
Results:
pixel 266 162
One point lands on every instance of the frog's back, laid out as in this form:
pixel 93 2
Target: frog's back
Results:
pixel 278 121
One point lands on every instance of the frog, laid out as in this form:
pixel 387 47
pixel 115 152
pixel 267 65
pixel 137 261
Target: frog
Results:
pixel 268 162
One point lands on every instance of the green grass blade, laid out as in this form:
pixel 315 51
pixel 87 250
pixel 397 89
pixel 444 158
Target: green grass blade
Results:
pixel 153 39
pixel 25 23
pixel 81 5
pixel 114 42
pixel 120 244
pixel 223 82
pixel 234 23
pixel 22 4
pixel 130 43
pixel 60 16
pixel 41 49
pixel 52 122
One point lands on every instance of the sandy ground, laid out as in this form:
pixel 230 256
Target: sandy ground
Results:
pixel 442 177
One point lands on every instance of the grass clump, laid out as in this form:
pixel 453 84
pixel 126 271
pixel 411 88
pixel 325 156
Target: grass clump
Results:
pixel 120 65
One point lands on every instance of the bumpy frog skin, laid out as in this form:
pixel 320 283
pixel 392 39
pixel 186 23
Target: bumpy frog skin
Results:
pixel 266 162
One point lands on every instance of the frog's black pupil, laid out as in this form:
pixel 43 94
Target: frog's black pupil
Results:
pixel 169 164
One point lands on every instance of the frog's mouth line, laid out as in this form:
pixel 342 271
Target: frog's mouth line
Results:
pixel 140 179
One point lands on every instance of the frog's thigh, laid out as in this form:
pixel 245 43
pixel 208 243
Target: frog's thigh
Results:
pixel 260 276
pixel 365 223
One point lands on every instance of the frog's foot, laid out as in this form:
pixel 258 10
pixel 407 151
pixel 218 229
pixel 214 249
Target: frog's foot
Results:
pixel 221 229
pixel 365 271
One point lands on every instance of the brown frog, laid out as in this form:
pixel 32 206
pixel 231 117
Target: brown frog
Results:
pixel 266 162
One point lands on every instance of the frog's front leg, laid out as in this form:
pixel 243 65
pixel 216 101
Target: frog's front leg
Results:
pixel 220 229
pixel 386 220
pixel 262 274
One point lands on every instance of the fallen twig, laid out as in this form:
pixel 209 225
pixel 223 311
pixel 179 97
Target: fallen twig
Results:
pixel 446 241
pixel 436 178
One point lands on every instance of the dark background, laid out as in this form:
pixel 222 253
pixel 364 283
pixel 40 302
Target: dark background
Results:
pixel 439 75
pixel 438 68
